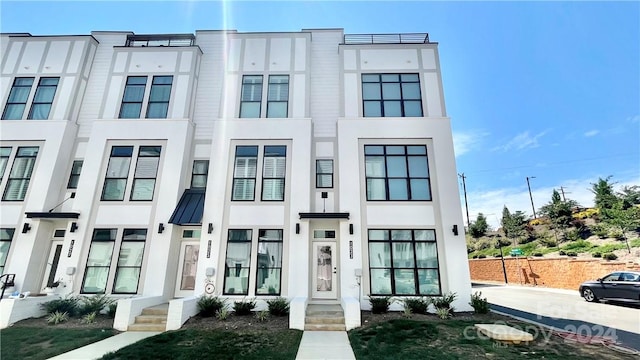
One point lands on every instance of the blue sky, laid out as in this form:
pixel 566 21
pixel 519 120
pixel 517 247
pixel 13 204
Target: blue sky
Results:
pixel 544 89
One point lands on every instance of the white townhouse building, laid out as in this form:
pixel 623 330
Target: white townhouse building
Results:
pixel 313 165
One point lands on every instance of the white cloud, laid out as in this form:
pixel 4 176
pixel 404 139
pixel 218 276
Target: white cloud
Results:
pixel 521 141
pixel 491 202
pixel 465 142
pixel 591 133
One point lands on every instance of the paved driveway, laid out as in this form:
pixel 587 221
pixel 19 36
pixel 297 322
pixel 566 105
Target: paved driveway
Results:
pixel 565 309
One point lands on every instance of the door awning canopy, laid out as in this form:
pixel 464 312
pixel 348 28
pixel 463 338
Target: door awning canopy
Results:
pixel 324 215
pixel 189 209
pixel 52 215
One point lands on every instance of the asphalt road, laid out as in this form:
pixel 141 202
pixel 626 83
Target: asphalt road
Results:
pixel 566 310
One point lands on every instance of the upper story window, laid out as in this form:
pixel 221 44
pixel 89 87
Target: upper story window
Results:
pixel 45 92
pixel 278 96
pixel 6 235
pixel 251 96
pixel 5 153
pixel 76 168
pixel 20 175
pixel 397 172
pixel 144 177
pixel 199 174
pixel 324 173
pixel 17 101
pixel 158 102
pixel 391 95
pixel 273 173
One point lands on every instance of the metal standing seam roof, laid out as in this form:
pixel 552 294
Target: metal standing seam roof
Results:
pixel 189 209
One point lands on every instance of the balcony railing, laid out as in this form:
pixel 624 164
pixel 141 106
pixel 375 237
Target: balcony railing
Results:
pixel 160 40
pixel 414 38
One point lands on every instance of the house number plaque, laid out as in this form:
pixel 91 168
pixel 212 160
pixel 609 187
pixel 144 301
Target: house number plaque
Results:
pixel 70 248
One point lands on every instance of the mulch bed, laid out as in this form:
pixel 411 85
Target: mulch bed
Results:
pixel 234 322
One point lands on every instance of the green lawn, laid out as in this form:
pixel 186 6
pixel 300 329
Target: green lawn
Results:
pixel 193 344
pixel 36 343
pixel 441 340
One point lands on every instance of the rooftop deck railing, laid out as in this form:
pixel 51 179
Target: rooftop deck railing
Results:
pixel 160 40
pixel 413 38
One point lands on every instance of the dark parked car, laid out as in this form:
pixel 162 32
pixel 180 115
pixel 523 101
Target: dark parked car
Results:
pixel 618 286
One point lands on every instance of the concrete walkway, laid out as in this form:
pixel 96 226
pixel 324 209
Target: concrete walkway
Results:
pixel 329 345
pixel 100 348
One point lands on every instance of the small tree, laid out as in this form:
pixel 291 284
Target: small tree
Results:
pixel 558 212
pixel 622 219
pixel 479 228
pixel 513 225
pixel 605 197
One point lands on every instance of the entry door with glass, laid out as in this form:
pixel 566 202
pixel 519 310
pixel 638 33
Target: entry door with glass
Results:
pixel 324 270
pixel 186 281
pixel 51 275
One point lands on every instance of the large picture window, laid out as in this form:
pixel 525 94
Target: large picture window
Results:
pixel 99 261
pixel 391 95
pixel 238 262
pixel 6 235
pixel 269 269
pixel 397 172
pixel 20 175
pixel 274 172
pixel 18 96
pixel 244 174
pixel 403 262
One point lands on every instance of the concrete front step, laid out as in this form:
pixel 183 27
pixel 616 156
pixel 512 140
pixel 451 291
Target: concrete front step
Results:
pixel 325 327
pixel 147 327
pixel 316 319
pixel 151 319
pixel 162 309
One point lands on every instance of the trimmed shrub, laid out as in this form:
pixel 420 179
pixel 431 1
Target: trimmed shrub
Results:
pixel 479 304
pixel 244 307
pixel 562 252
pixel 208 306
pixel 278 306
pixel 596 255
pixel 444 301
pixel 418 305
pixel 380 304
pixel 482 256
pixel 94 304
pixel 69 305
pixel 572 253
pixel 601 230
pixel 609 256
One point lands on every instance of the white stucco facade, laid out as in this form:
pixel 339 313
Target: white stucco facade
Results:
pixel 171 166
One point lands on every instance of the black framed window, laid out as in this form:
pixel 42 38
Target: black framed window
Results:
pixel 5 154
pixel 115 182
pixel 159 97
pixel 6 235
pixel 199 174
pixel 391 95
pixel 403 262
pixel 18 96
pixel 274 172
pixel 269 269
pixel 238 262
pixel 397 172
pixel 244 173
pixel 324 173
pixel 76 168
pixel 42 100
pixel 278 96
pixel 96 272
pixel 144 179
pixel 251 96
pixel 129 261
pixel 20 175
pixel 133 97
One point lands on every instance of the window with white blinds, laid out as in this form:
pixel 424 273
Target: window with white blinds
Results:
pixel 20 175
pixel 244 174
pixel 278 96
pixel 273 173
pixel 251 96
pixel 144 175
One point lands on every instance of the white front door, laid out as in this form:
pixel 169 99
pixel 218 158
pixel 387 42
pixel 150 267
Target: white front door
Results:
pixel 51 274
pixel 186 281
pixel 324 270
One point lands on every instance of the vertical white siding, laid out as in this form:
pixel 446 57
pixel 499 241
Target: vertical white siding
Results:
pixel 325 82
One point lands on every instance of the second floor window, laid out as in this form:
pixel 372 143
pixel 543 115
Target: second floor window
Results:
pixel 144 180
pixel 199 174
pixel 116 179
pixel 20 175
pixel 244 173
pixel 324 173
pixel 251 96
pixel 6 235
pixel 75 174
pixel 5 153
pixel 40 104
pixel 391 95
pixel 273 174
pixel 397 172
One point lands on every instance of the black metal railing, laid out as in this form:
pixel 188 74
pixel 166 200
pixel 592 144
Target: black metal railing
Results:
pixel 412 38
pixel 6 281
pixel 160 40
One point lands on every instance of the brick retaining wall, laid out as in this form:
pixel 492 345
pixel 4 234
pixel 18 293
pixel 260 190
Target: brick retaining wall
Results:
pixel 563 273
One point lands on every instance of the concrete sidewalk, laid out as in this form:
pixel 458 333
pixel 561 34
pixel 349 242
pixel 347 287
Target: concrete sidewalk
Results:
pixel 333 345
pixel 100 348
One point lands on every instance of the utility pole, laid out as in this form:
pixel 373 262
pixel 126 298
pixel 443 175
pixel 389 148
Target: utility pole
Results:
pixel 466 204
pixel 531 196
pixel 562 191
